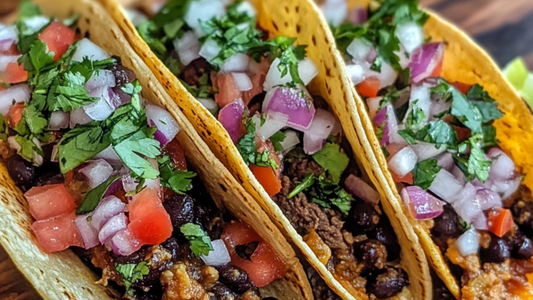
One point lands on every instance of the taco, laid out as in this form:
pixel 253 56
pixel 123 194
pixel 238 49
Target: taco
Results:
pixel 452 137
pixel 258 83
pixel 106 161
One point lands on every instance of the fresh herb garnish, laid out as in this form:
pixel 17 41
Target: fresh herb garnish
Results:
pixel 425 172
pixel 333 159
pixel 199 241
pixel 131 273
pixel 177 180
pixel 246 145
pixel 94 196
pixel 276 140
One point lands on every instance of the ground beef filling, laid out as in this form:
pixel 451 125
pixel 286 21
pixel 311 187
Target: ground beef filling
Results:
pixel 364 249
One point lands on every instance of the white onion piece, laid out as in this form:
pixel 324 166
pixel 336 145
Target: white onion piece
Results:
pixel 359 49
pixel 8 36
pixel 109 154
pixel 411 36
pixel 246 7
pixel 59 120
pixel 188 47
pixel 356 73
pixel 237 63
pixel 438 106
pixel 37 158
pixel 392 123
pixel 387 76
pixel 512 186
pixel 242 81
pixel 210 104
pixel 502 167
pixel 404 57
pixel 210 49
pixel 16 93
pixel 128 183
pixel 13 143
pixel 273 77
pixel 291 140
pixel 403 162
pixel 422 96
pixel 468 242
pixel 101 109
pixel 445 161
pixel 459 175
pixel 488 199
pixel 446 186
pixel 294 102
pixel 466 205
pixel 480 222
pixel 114 225
pixel 219 256
pixel 86 48
pixel 102 78
pixel 35 23
pixel 96 172
pixel 427 150
pixel 307 70
pixel 78 116
pixel 87 232
pixel 373 106
pixel 124 243
pixel 7 59
pixel 274 121
pixel 203 10
pixel 362 190
pixel 318 132
pixel 109 206
pixel 163 120
pixel 335 11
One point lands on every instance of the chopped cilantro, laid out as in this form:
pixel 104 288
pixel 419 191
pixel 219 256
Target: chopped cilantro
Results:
pixel 466 112
pixel 263 159
pixel 415 119
pixel 246 145
pixel 94 196
pixel 476 92
pixel 27 148
pixel 425 172
pixel 131 273
pixel 308 181
pixel 489 110
pixel 333 159
pixel 177 180
pixel 199 241
pixel 130 150
pixel 276 140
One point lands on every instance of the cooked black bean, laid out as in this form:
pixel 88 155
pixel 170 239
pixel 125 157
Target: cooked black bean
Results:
pixel 523 216
pixel 497 251
pixel 521 245
pixel 371 253
pixel 447 223
pixel 122 75
pixel 385 234
pixel 222 292
pixel 235 278
pixel 362 218
pixel 192 73
pixel 387 282
pixel 181 210
pixel 21 170
pixel 171 245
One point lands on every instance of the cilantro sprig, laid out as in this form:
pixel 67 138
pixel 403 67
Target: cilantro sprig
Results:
pixel 199 241
pixel 131 273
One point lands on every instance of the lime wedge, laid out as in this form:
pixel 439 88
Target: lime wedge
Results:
pixel 516 72
pixel 527 90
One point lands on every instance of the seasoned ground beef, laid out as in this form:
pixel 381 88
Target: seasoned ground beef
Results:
pixel 297 168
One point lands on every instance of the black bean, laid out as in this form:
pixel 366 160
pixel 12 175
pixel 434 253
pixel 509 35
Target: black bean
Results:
pixel 181 210
pixel 521 245
pixel 171 245
pixel 222 292
pixel 22 171
pixel 387 282
pixel 371 253
pixel 235 278
pixel 49 178
pixel 385 234
pixel 122 75
pixel 522 212
pixel 192 73
pixel 362 218
pixel 447 223
pixel 497 251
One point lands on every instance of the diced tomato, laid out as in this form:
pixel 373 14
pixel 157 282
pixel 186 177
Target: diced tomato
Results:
pixel 268 146
pixel 500 221
pixel 267 178
pixel 58 37
pixel 438 69
pixel 176 153
pixel 49 201
pixel 462 87
pixel 257 87
pixel 369 87
pixel 15 114
pixel 264 265
pixel 463 133
pixel 149 221
pixel 57 234
pixel 408 178
pixel 14 73
pixel 227 90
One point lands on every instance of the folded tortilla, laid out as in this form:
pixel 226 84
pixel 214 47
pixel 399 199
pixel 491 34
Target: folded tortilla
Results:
pixel 303 20
pixel 62 275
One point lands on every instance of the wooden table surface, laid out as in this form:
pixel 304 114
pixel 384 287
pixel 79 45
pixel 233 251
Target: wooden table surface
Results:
pixel 503 27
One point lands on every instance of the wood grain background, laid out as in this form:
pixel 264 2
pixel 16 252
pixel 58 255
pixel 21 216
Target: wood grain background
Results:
pixel 503 27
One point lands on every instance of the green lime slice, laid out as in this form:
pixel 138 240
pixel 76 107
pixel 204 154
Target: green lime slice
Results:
pixel 527 90
pixel 516 72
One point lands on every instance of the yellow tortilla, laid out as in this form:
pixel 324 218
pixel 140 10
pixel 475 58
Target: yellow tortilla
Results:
pixel 62 275
pixel 303 20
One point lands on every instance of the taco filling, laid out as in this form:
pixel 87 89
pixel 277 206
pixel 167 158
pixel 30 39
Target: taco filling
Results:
pixel 104 174
pixel 440 144
pixel 256 87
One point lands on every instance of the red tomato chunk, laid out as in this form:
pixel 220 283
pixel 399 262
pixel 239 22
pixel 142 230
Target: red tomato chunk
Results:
pixel 58 37
pixel 149 221
pixel 49 201
pixel 57 234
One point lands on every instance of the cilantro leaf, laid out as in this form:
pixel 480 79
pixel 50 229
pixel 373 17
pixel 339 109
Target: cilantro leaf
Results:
pixel 27 148
pixel 177 180
pixel 476 92
pixel 478 164
pixel 34 119
pixel 130 150
pixel 246 145
pixel 466 112
pixel 415 119
pixel 3 128
pixel 199 241
pixel 333 159
pixel 94 196
pixel 39 58
pixel 307 182
pixel 425 172
pixel 131 273
pixel 276 140
pixel 489 110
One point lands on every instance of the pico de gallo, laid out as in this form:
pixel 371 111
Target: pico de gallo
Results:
pixel 104 174
pixel 293 144
pixel 440 144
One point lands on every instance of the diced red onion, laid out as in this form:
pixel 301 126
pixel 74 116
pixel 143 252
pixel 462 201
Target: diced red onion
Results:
pixel 291 140
pixel 219 256
pixel 187 47
pixel 128 183
pixel 242 81
pixel 59 120
pixel 468 242
pixel 203 10
pixel 102 78
pixel 86 48
pixel 421 204
pixel 502 167
pixel 425 59
pixel 372 55
pixel 109 206
pixel 446 186
pixel 480 222
pixel 111 227
pixel 457 173
pixel 508 187
pixel 362 190
pixel 380 119
pixel 403 162
pixel 411 36
pixel 358 15
pixel 124 243
pixel 274 121
pixel 335 11
pixel 109 154
pixel 8 36
pixel 210 49
pixel 87 231
pixel 296 103
pixel 101 109
pixel 237 63
pixel 427 150
pixel 164 121
pixel 7 59
pixel 356 73
pixel 78 116
pixel 16 93
pixel 466 205
pixel 445 161
pixel 231 118
pixel 315 137
pixel 113 188
pixel 488 198
pixel 359 50
pixel 96 172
